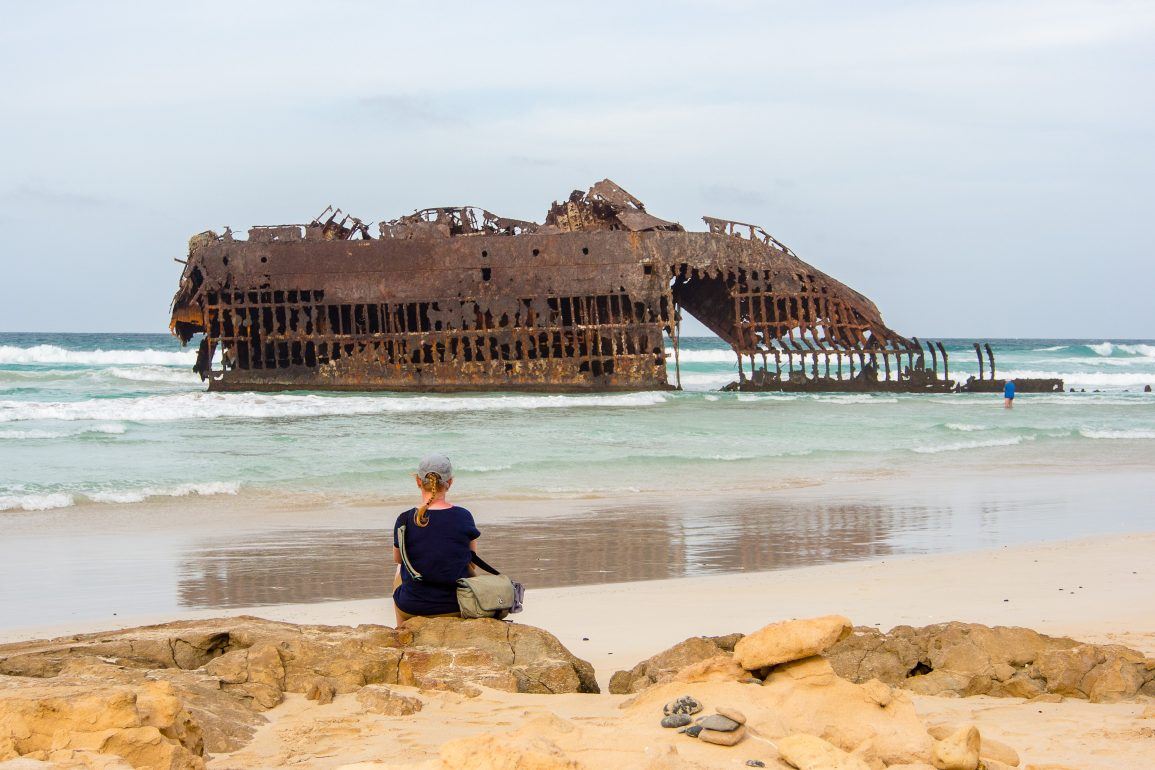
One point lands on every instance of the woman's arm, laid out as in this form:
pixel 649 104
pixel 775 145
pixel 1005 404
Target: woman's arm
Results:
pixel 396 555
pixel 472 566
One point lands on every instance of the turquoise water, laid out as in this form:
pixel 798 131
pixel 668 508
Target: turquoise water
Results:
pixel 91 420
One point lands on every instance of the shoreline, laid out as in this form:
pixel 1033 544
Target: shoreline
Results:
pixel 1094 589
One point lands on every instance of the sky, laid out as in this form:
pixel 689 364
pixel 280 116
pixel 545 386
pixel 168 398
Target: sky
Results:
pixel 979 169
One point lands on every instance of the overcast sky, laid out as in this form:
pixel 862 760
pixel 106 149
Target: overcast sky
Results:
pixel 977 168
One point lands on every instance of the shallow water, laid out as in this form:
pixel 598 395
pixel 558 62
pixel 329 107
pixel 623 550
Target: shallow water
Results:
pixel 92 420
pixel 159 558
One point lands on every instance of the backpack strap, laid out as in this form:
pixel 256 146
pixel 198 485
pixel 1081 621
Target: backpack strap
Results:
pixel 405 555
pixel 478 561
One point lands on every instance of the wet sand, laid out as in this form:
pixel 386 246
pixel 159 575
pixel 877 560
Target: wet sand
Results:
pixel 104 562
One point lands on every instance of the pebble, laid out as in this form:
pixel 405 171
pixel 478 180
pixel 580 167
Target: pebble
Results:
pixel 676 720
pixel 719 723
pixel 755 763
pixel 728 738
pixel 694 730
pixel 683 705
pixel 731 713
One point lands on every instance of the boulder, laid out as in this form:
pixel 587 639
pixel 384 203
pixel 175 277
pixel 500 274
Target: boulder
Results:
pixel 662 667
pixel 808 697
pixel 790 640
pixel 964 659
pixel 958 751
pixel 990 749
pixel 808 752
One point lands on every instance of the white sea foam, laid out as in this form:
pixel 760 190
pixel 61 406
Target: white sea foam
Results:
pixel 53 354
pixel 1051 349
pixel 1102 348
pixel 704 356
pixel 203 489
pixel 112 429
pixel 965 427
pixel 1136 433
pixel 1132 349
pixel 994 442
pixel 1114 380
pixel 152 374
pixel 35 502
pixel 208 406
pixel 854 398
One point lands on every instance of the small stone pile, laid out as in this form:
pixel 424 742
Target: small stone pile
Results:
pixel 724 728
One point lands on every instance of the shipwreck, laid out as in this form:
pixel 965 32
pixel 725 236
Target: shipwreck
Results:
pixel 458 299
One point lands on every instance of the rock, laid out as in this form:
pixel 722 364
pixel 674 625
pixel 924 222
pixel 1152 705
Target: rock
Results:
pixel 990 749
pixel 165 695
pixel 693 730
pixel 718 723
pixel 755 763
pixel 809 698
pixel 720 668
pixel 381 700
pixel 732 713
pixel 676 720
pixel 538 661
pixel 808 752
pixel 790 640
pixel 966 659
pixel 145 726
pixel 662 667
pixel 722 737
pixel 684 705
pixel 322 689
pixel 958 751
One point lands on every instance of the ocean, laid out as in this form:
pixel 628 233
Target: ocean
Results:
pixel 88 420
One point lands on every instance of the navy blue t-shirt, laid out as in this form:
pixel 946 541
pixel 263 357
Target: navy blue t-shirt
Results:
pixel 440 552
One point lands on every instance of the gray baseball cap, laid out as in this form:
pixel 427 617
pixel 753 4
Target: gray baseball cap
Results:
pixel 436 463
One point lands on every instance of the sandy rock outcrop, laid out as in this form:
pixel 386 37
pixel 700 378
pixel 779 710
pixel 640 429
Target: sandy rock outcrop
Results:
pixel 61 722
pixel 969 659
pixel 790 640
pixel 162 696
pixel 662 667
pixel 810 698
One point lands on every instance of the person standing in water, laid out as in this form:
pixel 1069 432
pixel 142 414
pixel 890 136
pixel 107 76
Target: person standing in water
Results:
pixel 1009 395
pixel 440 541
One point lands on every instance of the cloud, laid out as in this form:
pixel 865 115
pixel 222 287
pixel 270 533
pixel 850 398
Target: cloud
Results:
pixel 723 194
pixel 36 195
pixel 408 111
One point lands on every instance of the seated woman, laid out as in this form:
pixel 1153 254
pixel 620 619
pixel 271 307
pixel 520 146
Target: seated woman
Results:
pixel 440 539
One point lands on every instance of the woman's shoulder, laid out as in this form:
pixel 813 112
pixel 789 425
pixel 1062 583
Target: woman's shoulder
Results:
pixel 404 517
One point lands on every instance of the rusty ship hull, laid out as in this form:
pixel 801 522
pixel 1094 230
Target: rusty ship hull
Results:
pixel 458 299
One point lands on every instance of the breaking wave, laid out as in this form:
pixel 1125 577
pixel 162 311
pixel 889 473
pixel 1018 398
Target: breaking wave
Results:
pixel 113 429
pixel 44 501
pixel 209 406
pixel 180 490
pixel 36 502
pixel 1135 433
pixel 964 427
pixel 1121 348
pixel 52 354
pixel 1087 379
pixel 994 442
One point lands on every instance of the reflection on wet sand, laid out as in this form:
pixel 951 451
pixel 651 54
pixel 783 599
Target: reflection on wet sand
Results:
pixel 621 544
